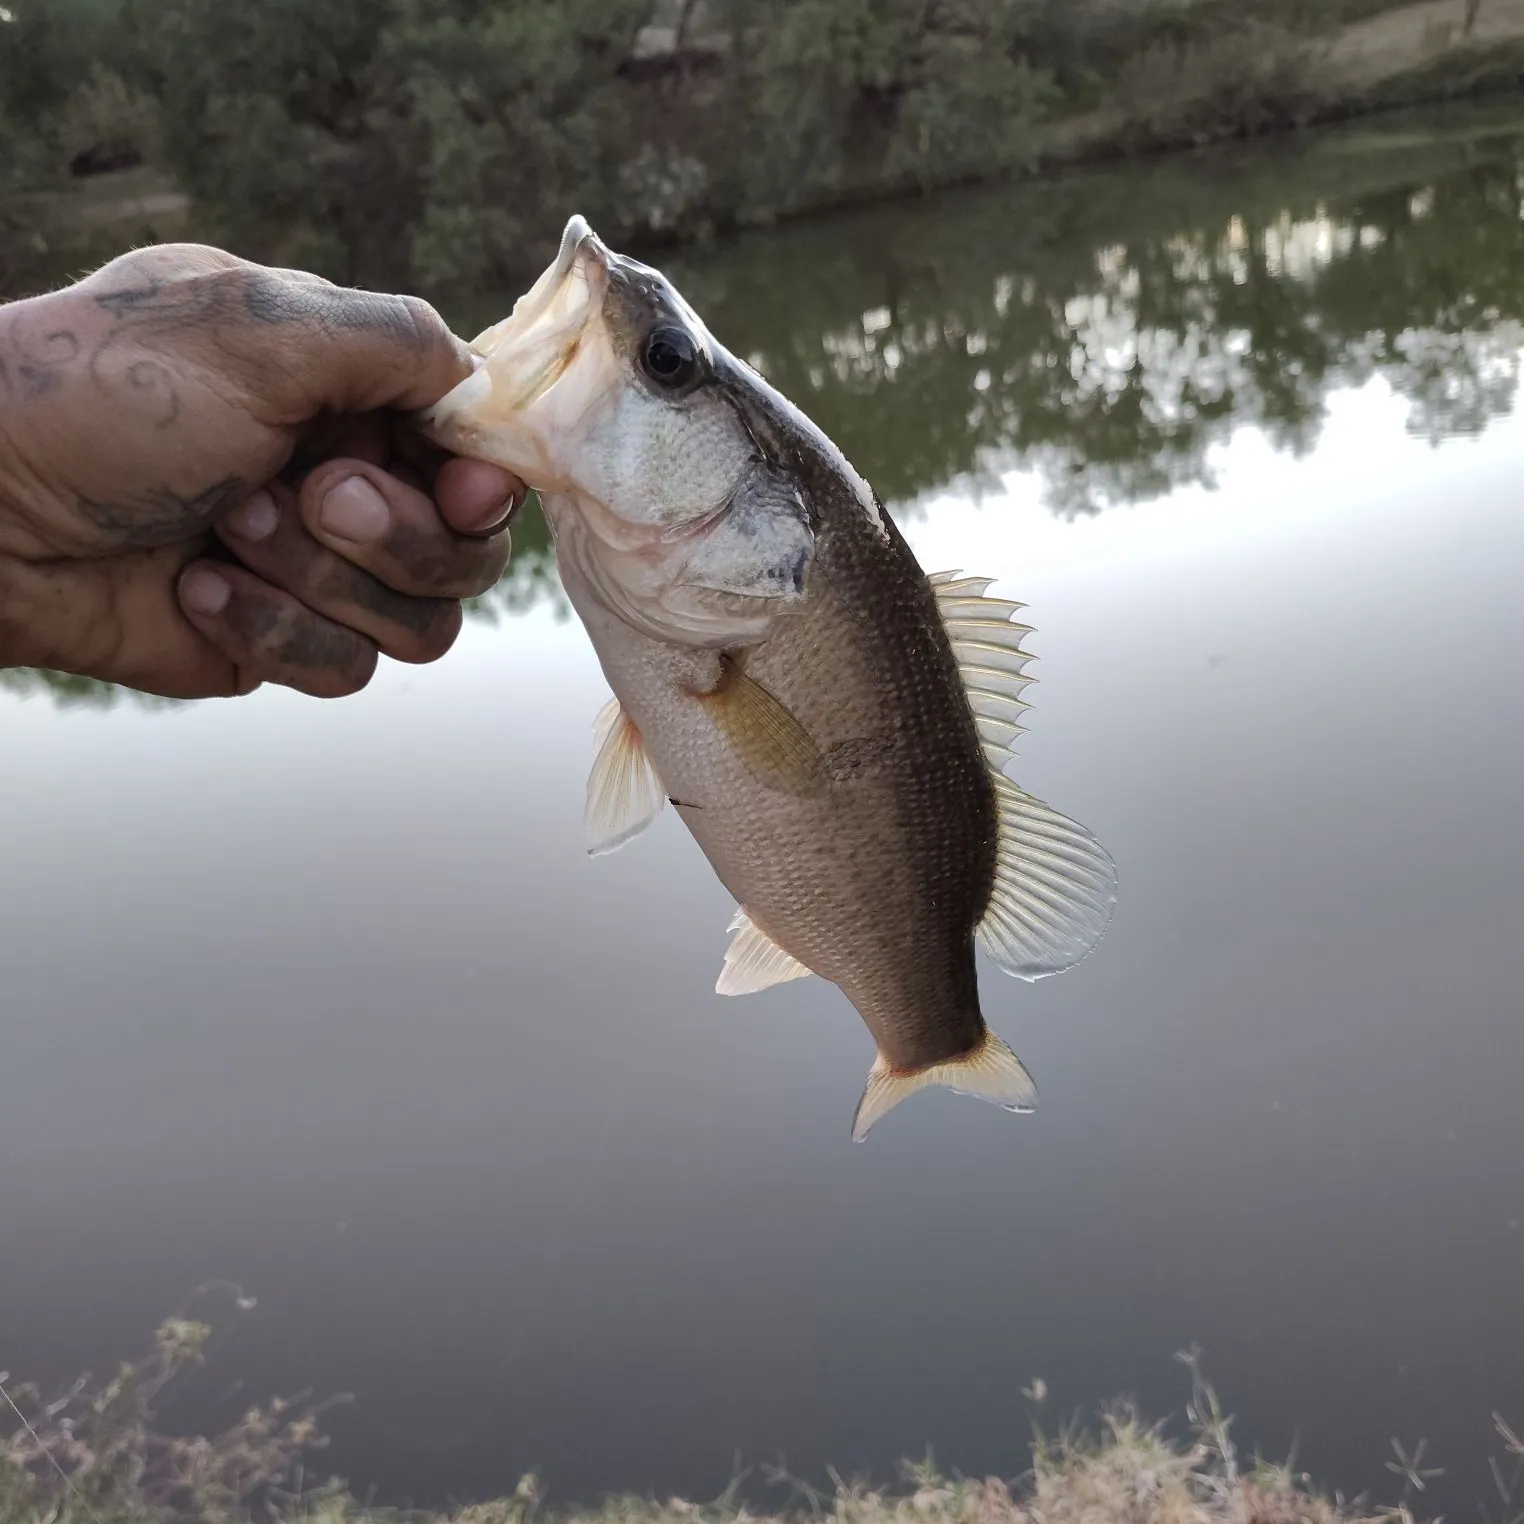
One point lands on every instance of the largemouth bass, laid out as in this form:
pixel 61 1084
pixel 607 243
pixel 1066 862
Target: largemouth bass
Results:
pixel 831 724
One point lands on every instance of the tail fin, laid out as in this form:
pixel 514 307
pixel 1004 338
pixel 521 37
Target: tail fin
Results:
pixel 991 1072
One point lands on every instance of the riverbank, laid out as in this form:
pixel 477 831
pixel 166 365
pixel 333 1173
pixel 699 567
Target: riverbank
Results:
pixel 94 1456
pixel 1261 79
pixel 1200 75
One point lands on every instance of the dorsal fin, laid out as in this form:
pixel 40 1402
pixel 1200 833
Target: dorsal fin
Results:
pixel 1055 885
pixel 753 961
pixel 987 643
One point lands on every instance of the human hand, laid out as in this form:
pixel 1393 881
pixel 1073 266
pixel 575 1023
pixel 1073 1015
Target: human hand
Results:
pixel 207 482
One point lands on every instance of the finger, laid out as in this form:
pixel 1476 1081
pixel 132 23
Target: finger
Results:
pixel 270 636
pixel 350 351
pixel 268 536
pixel 476 497
pixel 396 533
pixel 117 619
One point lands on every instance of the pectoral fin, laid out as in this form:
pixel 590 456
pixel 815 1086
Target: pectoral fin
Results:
pixel 624 795
pixel 753 961
pixel 771 742
pixel 991 1072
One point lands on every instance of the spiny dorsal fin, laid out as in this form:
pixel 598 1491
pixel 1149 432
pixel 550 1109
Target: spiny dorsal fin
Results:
pixel 624 795
pixel 1055 885
pixel 987 644
pixel 990 1073
pixel 753 961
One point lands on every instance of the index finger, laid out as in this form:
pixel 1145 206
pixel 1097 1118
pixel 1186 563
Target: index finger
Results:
pixel 355 350
pixel 300 344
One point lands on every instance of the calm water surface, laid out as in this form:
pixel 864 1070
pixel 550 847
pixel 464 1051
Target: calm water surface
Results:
pixel 325 999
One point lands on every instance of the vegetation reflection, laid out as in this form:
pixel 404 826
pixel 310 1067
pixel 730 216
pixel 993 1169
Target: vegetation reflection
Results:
pixel 1107 330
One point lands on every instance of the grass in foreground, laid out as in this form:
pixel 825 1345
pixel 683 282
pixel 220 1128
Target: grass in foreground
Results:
pixel 93 1456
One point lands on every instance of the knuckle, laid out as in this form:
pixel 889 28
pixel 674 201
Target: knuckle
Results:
pixel 271 298
pixel 173 261
pixel 426 324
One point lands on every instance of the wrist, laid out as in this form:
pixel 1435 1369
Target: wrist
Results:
pixel 24 388
pixel 41 341
pixel 16 607
pixel 19 497
pixel 10 463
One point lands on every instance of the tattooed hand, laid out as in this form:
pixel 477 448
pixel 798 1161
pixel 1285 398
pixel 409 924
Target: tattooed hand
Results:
pixel 206 481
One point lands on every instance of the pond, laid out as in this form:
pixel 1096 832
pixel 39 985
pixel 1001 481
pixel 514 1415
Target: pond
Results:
pixel 325 1000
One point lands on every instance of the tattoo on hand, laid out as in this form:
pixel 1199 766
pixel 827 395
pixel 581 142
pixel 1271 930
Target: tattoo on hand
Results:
pixel 271 299
pixel 150 330
pixel 37 367
pixel 161 516
pixel 213 302
pixel 274 298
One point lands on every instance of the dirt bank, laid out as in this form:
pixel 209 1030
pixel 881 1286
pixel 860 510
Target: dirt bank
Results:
pixel 1180 92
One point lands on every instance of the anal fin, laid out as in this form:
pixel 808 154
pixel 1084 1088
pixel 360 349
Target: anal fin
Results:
pixel 753 961
pixel 990 1072
pixel 624 795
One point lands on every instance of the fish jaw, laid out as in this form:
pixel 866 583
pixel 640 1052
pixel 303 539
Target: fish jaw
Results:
pixel 537 373
pixel 658 502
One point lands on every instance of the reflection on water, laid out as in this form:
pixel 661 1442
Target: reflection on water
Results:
pixel 325 998
pixel 1108 330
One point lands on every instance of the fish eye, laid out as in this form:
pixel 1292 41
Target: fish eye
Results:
pixel 670 357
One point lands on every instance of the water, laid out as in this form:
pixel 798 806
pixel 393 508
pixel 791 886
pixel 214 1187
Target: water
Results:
pixel 325 999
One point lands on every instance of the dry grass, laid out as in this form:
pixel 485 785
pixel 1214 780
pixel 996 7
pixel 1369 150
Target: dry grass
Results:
pixel 92 1456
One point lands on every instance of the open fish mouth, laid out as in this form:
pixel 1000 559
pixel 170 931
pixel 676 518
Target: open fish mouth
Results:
pixel 554 297
pixel 532 347
pixel 538 340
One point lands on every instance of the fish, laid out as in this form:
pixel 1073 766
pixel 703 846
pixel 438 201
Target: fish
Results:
pixel 832 725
